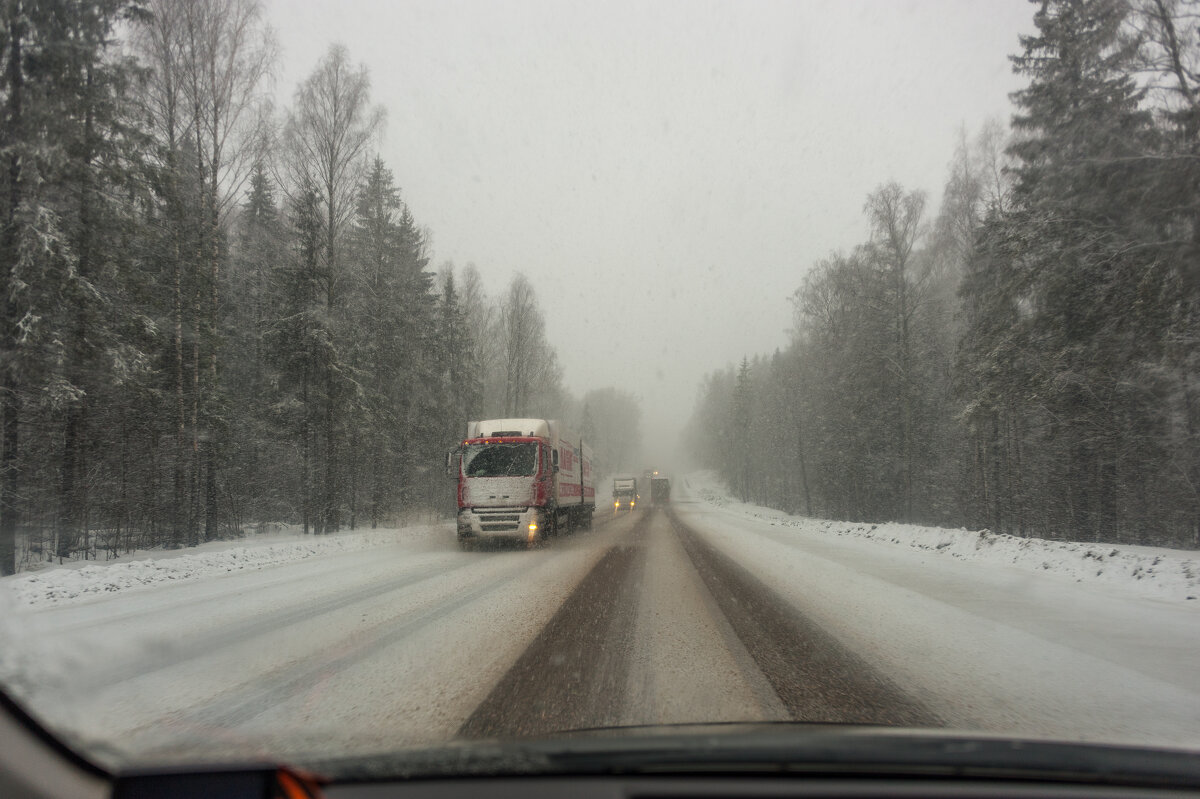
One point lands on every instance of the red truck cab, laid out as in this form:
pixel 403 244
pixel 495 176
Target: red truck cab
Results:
pixel 521 480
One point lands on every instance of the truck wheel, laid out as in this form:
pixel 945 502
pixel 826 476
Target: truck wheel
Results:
pixel 466 545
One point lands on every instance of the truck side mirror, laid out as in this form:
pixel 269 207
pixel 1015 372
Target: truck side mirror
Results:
pixel 554 459
pixel 450 470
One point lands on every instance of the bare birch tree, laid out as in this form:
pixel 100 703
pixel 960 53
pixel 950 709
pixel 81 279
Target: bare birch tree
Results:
pixel 228 53
pixel 895 218
pixel 328 140
pixel 483 319
pixel 209 59
pixel 525 351
pixel 158 43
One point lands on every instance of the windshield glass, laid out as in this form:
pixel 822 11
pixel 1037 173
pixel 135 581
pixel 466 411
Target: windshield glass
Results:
pixel 855 345
pixel 499 460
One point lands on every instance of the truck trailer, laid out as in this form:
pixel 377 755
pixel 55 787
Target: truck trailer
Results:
pixel 660 490
pixel 522 480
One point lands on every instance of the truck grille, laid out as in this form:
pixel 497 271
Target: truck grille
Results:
pixel 498 521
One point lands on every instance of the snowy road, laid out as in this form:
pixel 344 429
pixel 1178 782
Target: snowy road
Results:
pixel 696 614
pixel 666 629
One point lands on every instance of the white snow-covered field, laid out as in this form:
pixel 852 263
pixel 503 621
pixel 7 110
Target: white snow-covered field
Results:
pixel 1021 636
pixel 57 584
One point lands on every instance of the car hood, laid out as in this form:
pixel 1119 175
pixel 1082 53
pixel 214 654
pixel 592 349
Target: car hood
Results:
pixel 782 748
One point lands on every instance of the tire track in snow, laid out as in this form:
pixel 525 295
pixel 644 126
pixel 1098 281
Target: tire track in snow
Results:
pixel 575 672
pixel 270 689
pixel 238 633
pixel 815 677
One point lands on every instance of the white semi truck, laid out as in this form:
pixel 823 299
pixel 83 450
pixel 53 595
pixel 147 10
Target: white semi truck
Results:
pixel 522 480
pixel 625 493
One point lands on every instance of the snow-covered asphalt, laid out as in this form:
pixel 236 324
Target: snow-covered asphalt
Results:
pixel 702 612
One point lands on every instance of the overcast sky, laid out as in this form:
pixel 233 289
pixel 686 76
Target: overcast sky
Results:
pixel 664 172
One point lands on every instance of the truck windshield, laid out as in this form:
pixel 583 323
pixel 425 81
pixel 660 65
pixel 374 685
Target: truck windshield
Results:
pixel 499 460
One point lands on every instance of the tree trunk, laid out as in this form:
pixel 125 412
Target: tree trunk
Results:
pixel 305 453
pixel 211 530
pixel 66 522
pixel 180 504
pixel 329 520
pixel 10 469
pixel 808 509
pixel 194 454
pixel 329 515
pixel 10 404
pixel 211 506
pixel 906 432
pixel 72 464
pixel 352 488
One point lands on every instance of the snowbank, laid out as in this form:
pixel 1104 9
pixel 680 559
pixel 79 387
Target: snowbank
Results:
pixel 1151 572
pixel 80 581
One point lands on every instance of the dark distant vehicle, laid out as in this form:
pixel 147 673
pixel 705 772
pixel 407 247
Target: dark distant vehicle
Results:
pixel 660 490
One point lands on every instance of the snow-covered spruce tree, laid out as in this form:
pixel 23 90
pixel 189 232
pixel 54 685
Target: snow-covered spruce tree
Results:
pixel 896 217
pixel 1169 54
pixel 459 375
pixel 256 461
pixel 392 351
pixel 65 143
pixel 205 61
pixel 487 344
pixel 1054 292
pixel 298 344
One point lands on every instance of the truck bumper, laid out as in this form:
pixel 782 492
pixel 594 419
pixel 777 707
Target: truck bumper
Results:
pixel 498 523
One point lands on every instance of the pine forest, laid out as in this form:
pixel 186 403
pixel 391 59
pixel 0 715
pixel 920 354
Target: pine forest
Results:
pixel 1024 358
pixel 218 314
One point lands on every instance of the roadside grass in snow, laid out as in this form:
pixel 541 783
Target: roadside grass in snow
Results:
pixel 1152 572
pixel 82 580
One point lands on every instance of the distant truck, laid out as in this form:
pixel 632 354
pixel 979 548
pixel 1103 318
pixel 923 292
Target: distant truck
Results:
pixel 625 493
pixel 660 490
pixel 522 480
